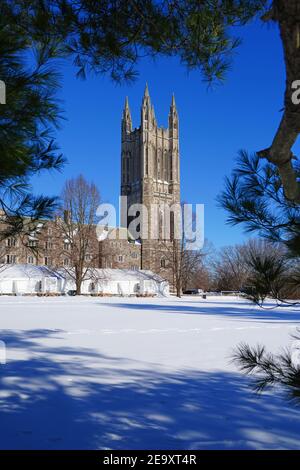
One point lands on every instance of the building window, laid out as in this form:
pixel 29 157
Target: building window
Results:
pixel 88 257
pixel 126 167
pixel 159 162
pixel 49 231
pixel 11 242
pixel 47 261
pixel 147 158
pixel 32 243
pixel 30 260
pixel 171 167
pixel 134 255
pixel 166 176
pixel 66 262
pixel 48 245
pixel 120 258
pixel 11 259
pixel 67 246
pixel 162 263
pixel 161 228
pixel 172 226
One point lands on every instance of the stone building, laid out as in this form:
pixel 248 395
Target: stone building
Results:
pixel 47 245
pixel 150 175
pixel 119 252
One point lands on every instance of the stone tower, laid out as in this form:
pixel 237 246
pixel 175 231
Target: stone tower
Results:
pixel 150 172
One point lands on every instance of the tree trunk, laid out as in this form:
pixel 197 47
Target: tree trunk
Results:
pixel 287 14
pixel 78 288
pixel 178 287
pixel 78 280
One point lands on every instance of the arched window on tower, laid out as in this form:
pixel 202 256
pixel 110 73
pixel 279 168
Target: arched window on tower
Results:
pixel 161 225
pixel 171 166
pixel 123 169
pixel 159 165
pixel 172 225
pixel 166 166
pixel 147 161
pixel 128 158
pixel 154 156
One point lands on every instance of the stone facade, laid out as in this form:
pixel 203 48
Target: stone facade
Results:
pixel 150 175
pixel 120 252
pixel 46 245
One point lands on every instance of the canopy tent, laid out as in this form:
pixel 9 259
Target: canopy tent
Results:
pixel 28 279
pixel 32 279
pixel 117 282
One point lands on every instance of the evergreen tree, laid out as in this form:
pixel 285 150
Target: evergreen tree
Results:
pixel 254 197
pixel 27 123
pixel 102 37
pixel 282 369
pixel 109 37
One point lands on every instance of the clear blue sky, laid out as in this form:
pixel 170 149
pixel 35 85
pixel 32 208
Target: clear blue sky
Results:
pixel 214 124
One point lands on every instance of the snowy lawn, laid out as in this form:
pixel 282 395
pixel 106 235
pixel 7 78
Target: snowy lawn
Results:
pixel 112 373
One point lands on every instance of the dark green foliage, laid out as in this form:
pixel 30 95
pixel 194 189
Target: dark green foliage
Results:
pixel 270 369
pixel 27 122
pixel 110 36
pixel 254 197
pixel 99 36
pixel 268 275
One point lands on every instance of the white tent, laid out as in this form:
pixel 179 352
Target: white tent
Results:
pixel 122 282
pixel 32 279
pixel 128 282
pixel 28 279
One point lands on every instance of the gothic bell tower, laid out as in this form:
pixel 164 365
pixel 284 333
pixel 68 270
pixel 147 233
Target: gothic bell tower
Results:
pixel 150 172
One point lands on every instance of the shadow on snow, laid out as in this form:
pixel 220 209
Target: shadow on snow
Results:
pixel 82 399
pixel 242 309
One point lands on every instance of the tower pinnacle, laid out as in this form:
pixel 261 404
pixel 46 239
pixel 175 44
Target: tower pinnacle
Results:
pixel 173 109
pixel 173 104
pixel 126 103
pixel 173 118
pixel 146 112
pixel 126 120
pixel 146 92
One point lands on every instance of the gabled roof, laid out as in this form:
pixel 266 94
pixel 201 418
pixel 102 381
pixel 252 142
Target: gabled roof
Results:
pixel 26 271
pixel 113 233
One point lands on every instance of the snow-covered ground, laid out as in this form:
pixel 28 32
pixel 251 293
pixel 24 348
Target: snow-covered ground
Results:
pixel 116 373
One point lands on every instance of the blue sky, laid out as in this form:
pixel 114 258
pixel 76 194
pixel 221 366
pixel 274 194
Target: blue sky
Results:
pixel 214 124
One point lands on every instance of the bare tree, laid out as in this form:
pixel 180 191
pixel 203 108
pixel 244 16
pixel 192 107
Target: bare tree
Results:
pixel 80 200
pixel 202 279
pixel 241 267
pixel 200 276
pixel 230 268
pixel 183 263
pixel 172 252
